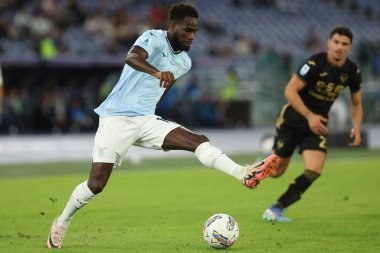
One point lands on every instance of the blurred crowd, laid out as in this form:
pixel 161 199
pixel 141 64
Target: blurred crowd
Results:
pixel 44 24
pixel 42 99
pixel 39 105
pixel 35 103
pixel 49 108
pixel 51 28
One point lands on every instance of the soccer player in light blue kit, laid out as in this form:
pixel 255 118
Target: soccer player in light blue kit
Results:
pixel 154 62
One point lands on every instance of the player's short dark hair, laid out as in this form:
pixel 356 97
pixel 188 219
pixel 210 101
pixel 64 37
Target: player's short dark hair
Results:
pixel 179 11
pixel 342 30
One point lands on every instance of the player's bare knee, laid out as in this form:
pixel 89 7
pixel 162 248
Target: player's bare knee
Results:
pixel 197 140
pixel 202 139
pixel 312 175
pixel 96 185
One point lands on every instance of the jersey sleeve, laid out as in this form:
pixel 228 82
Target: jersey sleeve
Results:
pixel 308 69
pixel 149 41
pixel 356 82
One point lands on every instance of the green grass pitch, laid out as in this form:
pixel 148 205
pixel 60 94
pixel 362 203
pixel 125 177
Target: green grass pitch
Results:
pixel 161 206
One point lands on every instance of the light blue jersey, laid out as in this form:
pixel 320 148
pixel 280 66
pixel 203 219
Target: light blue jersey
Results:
pixel 137 93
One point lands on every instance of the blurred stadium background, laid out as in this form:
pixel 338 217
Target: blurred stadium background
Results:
pixel 60 59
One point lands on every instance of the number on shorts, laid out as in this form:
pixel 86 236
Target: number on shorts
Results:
pixel 322 144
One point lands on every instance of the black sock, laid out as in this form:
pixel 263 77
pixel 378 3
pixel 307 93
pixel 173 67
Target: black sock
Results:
pixel 294 192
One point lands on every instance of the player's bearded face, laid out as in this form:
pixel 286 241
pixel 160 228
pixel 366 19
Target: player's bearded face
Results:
pixel 178 44
pixel 184 33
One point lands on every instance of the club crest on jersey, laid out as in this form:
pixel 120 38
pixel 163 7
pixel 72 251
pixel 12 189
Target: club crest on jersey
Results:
pixel 101 151
pixel 280 144
pixel 343 77
pixel 303 71
pixel 145 41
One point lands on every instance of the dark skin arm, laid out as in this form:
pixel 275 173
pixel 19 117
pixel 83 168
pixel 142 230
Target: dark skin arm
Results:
pixel 136 58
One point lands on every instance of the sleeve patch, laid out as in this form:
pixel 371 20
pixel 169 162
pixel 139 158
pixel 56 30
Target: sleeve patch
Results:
pixel 146 41
pixel 303 71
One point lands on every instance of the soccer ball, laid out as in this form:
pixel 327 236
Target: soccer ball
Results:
pixel 220 231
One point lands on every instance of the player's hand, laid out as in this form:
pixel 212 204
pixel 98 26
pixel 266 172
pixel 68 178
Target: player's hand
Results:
pixel 316 124
pixel 356 136
pixel 166 78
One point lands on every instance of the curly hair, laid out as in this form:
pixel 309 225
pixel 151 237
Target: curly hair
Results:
pixel 179 11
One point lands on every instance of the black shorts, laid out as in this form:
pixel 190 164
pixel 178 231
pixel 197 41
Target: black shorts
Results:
pixel 289 137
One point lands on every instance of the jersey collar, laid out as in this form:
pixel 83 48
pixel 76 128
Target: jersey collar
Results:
pixel 170 46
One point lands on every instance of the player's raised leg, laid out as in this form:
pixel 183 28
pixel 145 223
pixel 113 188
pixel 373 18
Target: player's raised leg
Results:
pixel 213 157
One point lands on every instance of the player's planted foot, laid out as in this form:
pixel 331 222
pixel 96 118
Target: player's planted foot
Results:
pixel 275 214
pixel 56 235
pixel 260 170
